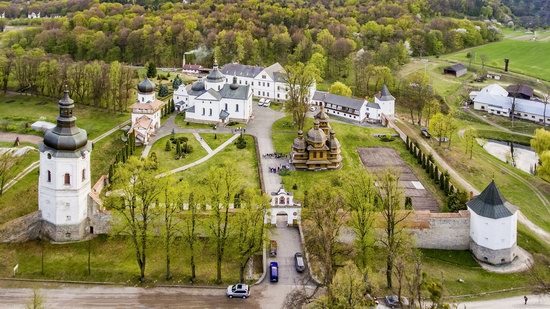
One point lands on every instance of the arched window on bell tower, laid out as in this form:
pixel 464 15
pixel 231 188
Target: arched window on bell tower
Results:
pixel 49 176
pixel 67 179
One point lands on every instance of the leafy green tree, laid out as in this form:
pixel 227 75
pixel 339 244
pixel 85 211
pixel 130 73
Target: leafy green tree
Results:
pixel 163 91
pixel 470 135
pixel 177 82
pixel 151 70
pixel 133 205
pixel 299 78
pixel 340 88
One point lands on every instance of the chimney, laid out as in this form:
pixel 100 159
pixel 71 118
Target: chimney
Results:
pixel 183 66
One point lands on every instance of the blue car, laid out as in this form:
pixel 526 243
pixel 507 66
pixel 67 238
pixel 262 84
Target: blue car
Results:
pixel 273 272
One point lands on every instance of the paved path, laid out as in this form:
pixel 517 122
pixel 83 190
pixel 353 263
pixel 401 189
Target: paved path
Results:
pixel 201 160
pixel 260 127
pixel 543 234
pixel 170 126
pixel 23 138
pixel 202 142
pixel 534 301
pixel 37 139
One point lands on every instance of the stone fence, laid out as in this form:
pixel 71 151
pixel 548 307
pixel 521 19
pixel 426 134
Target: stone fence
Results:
pixel 22 229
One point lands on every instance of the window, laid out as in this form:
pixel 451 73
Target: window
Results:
pixel 68 218
pixel 83 174
pixel 237 107
pixel 49 176
pixel 267 84
pixel 203 111
pixel 263 76
pixel 225 106
pixel 49 155
pixel 210 112
pixel 67 179
pixel 68 235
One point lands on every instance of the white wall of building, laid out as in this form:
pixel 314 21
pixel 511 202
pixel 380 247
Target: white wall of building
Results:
pixel 386 107
pixel 493 234
pixel 60 203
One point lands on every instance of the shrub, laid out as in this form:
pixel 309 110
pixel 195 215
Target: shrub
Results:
pixel 168 146
pixel 241 142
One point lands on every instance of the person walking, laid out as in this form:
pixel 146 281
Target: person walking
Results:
pixel 525 298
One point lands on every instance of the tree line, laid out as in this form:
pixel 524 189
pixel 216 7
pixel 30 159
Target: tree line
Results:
pixel 149 209
pixel 252 32
pixel 95 83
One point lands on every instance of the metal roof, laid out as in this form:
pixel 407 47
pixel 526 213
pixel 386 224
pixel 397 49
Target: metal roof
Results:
pixel 355 103
pixel 491 204
pixel 503 102
pixel 241 70
pixel 233 91
pixel 385 94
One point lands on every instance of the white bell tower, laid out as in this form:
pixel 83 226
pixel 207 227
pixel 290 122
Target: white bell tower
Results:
pixel 64 180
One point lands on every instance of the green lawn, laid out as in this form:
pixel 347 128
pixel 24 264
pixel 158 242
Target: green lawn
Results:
pixel 167 159
pixel 521 126
pixel 214 140
pixel 104 153
pixel 351 137
pixel 113 260
pixel 525 56
pixel 21 199
pixel 18 112
pixel 243 160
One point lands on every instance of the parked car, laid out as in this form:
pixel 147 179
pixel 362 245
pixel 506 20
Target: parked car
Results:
pixel 273 272
pixel 238 290
pixel 261 102
pixel 393 301
pixel 425 133
pixel 273 248
pixel 267 103
pixel 299 262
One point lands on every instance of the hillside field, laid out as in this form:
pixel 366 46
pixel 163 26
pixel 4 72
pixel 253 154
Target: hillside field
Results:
pixel 526 57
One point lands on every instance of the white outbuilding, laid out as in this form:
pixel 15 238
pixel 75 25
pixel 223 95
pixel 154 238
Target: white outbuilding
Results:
pixel 493 227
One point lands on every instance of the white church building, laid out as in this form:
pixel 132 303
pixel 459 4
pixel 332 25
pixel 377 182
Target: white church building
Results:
pixel 64 180
pixel 146 112
pixel 214 100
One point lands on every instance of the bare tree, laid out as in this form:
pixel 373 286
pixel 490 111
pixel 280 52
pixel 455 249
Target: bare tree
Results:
pixel 137 191
pixel 190 234
pixel 171 209
pixel 37 302
pixel 393 214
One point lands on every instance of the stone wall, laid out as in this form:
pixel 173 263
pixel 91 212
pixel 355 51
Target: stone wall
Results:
pixel 448 231
pixel 22 229
pixel 495 257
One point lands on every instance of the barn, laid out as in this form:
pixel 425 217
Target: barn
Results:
pixel 457 70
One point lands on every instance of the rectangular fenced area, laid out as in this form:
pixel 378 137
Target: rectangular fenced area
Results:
pixel 379 159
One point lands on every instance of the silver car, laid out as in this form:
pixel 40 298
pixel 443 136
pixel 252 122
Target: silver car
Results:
pixel 238 290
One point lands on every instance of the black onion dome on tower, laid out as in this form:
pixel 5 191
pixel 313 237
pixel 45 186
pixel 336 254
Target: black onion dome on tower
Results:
pixel 215 75
pixel 146 86
pixel 66 135
pixel 491 204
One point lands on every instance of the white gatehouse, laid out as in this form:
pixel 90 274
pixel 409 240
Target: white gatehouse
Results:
pixel 283 208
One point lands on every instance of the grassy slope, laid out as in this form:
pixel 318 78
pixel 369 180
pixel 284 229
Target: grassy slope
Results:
pixel 214 140
pixel 166 158
pixel 21 199
pixel 103 154
pixel 16 111
pixel 112 259
pixel 243 160
pixel 526 57
pixel 351 137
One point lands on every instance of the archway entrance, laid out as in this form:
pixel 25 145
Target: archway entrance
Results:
pixel 282 219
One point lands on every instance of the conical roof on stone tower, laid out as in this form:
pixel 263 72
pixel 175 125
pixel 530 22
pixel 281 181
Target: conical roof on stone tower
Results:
pixel 66 135
pixel 491 204
pixel 385 94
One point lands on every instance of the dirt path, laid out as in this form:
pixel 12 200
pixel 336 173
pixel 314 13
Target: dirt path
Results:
pixel 23 138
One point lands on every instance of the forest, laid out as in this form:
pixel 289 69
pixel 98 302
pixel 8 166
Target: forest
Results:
pixel 250 31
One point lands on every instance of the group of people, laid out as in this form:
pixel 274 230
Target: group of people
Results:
pixel 275 155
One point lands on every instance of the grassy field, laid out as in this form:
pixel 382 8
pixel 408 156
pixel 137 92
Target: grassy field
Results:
pixel 103 154
pixel 351 137
pixel 18 112
pixel 214 140
pixel 525 56
pixel 243 160
pixel 21 199
pixel 112 260
pixel 167 159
